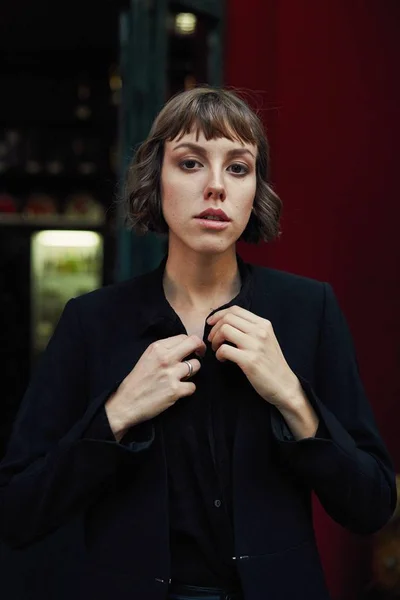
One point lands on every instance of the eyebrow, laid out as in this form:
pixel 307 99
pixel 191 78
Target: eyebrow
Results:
pixel 197 148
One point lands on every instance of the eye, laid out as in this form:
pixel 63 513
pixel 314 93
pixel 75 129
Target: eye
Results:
pixel 239 169
pixel 189 164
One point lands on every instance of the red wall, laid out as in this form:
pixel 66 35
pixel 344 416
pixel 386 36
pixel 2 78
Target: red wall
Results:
pixel 326 76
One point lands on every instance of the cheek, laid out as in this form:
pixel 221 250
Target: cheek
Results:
pixel 243 196
pixel 251 194
pixel 169 190
pixel 178 191
pixel 252 187
pixel 175 199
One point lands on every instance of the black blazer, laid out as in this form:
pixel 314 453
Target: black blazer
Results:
pixel 55 471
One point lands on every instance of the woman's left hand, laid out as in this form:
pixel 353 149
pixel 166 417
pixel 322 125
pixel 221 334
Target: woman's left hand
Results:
pixel 257 353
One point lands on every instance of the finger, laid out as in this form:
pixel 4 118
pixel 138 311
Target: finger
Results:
pixel 175 340
pixel 235 355
pixel 236 321
pixel 186 388
pixel 228 333
pixel 185 347
pixel 183 369
pixel 201 351
pixel 236 310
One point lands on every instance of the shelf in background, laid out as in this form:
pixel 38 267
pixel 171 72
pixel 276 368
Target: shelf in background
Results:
pixel 76 178
pixel 48 222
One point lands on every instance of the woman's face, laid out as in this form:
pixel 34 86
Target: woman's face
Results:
pixel 198 174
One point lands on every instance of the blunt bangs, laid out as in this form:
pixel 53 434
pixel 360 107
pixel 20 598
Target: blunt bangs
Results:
pixel 213 114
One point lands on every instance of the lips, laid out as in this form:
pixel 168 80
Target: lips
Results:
pixel 210 212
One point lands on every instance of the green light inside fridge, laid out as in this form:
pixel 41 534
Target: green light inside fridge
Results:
pixel 79 239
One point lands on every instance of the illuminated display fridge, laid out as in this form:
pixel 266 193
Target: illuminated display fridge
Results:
pixel 64 264
pixel 42 266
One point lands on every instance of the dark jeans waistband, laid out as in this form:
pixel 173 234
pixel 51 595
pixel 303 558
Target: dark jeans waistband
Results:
pixel 194 591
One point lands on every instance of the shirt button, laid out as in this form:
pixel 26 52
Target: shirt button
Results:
pixel 217 503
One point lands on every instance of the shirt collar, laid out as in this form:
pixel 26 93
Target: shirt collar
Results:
pixel 155 310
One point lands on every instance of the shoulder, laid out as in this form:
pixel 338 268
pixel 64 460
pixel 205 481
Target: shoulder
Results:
pixel 284 281
pixel 117 297
pixel 289 294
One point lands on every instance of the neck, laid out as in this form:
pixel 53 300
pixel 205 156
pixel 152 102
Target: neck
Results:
pixel 201 283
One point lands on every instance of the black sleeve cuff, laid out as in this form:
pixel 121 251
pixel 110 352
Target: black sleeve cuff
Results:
pixel 99 428
pixel 322 432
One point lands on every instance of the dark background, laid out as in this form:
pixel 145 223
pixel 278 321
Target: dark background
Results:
pixel 56 25
pixel 46 50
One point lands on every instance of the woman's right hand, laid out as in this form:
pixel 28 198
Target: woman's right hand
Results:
pixel 155 383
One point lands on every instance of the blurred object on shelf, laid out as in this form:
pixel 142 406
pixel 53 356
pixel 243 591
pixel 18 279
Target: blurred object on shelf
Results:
pixel 78 152
pixel 11 149
pixel 82 110
pixel 40 204
pixel 86 155
pixel 83 206
pixel 115 83
pixel 14 147
pixel 8 204
pixel 34 157
pixel 53 152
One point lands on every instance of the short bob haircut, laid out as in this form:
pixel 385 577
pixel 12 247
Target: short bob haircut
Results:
pixel 216 113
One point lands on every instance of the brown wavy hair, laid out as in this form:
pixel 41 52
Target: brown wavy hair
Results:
pixel 216 113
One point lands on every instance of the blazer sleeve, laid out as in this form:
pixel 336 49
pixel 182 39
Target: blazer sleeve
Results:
pixel 346 463
pixel 61 454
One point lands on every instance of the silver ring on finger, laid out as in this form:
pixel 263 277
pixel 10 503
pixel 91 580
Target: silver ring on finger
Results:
pixel 190 367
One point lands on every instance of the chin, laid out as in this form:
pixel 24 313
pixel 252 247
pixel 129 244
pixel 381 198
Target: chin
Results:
pixel 209 243
pixel 210 246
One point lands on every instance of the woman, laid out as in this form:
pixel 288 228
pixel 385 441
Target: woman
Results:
pixel 189 413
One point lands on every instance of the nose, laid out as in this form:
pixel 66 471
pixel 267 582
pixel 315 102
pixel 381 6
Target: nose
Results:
pixel 215 190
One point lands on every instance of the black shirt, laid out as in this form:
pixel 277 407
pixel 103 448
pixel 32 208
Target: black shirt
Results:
pixel 198 434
